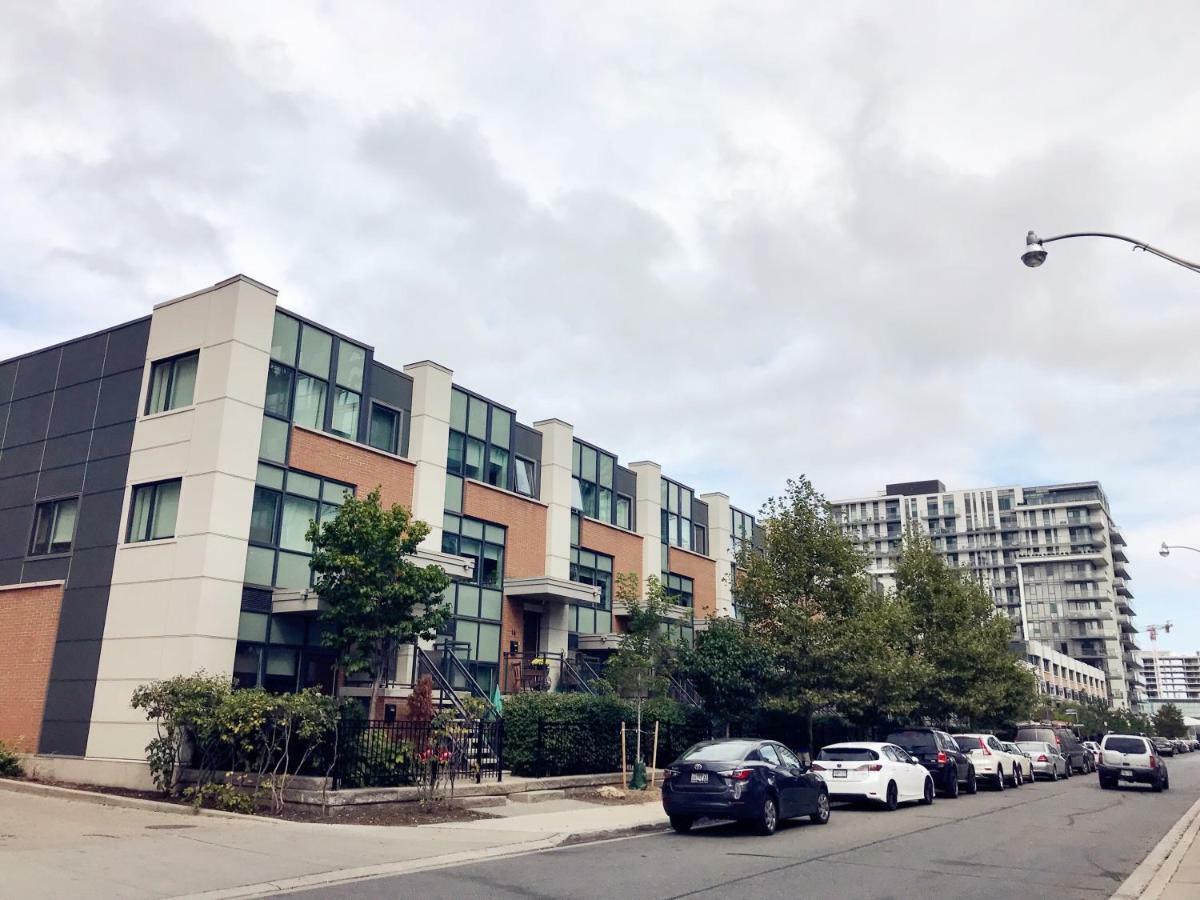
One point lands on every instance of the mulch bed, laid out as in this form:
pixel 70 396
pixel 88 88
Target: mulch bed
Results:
pixel 631 798
pixel 365 814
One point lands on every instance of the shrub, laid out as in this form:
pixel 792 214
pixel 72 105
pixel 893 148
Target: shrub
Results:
pixel 10 763
pixel 219 796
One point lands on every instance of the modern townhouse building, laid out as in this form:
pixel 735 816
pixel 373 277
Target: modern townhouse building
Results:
pixel 1172 678
pixel 1051 556
pixel 157 480
pixel 1060 677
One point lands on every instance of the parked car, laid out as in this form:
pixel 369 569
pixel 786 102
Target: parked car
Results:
pixel 880 772
pixel 1093 748
pixel 1130 757
pixel 951 769
pixel 1063 738
pixel 1024 762
pixel 1181 746
pixel 1163 746
pixel 760 782
pixel 990 759
pixel 1047 761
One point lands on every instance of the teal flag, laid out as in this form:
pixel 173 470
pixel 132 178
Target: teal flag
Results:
pixel 497 700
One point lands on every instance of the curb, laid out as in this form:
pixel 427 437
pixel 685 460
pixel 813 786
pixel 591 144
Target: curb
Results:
pixel 1150 879
pixel 98 799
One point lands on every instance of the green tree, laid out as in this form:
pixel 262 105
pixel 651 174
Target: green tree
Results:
pixel 645 656
pixel 374 597
pixel 835 641
pixel 1168 721
pixel 729 666
pixel 970 670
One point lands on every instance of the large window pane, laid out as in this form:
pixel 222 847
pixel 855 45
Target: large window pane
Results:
pixel 259 563
pixel 605 505
pixel 523 472
pixel 262 516
pixel 497 471
pixel 606 470
pixel 345 413
pixel 279 390
pixel 493 558
pixel 293 571
pixel 473 463
pixel 454 493
pixel 351 361
pixel 284 339
pixel 384 431
pixel 588 498
pixel 455 453
pixel 157 396
pixel 316 347
pixel 273 442
pixel 140 508
pixel 183 388
pixel 63 531
pixel 166 509
pixel 458 410
pixel 298 513
pixel 501 427
pixel 477 420
pixel 587 464
pixel 304 485
pixel 623 512
pixel 310 402
pixel 489 643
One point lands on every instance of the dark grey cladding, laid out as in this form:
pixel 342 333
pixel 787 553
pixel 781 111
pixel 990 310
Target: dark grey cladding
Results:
pixel 394 389
pixel 915 488
pixel 699 512
pixel 66 427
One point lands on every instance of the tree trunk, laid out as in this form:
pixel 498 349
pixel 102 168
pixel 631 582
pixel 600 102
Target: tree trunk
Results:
pixel 808 730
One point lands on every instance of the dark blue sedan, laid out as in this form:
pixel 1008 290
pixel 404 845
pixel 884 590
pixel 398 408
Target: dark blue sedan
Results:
pixel 753 781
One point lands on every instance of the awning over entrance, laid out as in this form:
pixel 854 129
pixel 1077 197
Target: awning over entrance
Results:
pixel 552 590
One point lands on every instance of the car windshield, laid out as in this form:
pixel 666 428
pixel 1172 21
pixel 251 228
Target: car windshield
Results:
pixel 731 751
pixel 1125 745
pixel 913 740
pixel 847 754
pixel 967 744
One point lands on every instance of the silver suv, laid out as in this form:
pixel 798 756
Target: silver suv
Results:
pixel 1130 757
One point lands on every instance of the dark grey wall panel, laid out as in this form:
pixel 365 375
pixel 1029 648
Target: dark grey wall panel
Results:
pixel 15 527
pixel 27 420
pixel 18 490
pixel 113 440
pixel 83 613
pixel 21 460
pixel 65 737
pixel 46 569
pixel 92 567
pixel 107 474
pixel 8 376
pixel 67 450
pixel 60 482
pixel 36 374
pixel 74 409
pixel 83 360
pixel 99 518
pixel 626 482
pixel 10 570
pixel 119 397
pixel 127 347
pixel 392 388
pixel 527 442
pixel 700 512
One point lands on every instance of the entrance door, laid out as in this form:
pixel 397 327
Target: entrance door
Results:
pixel 531 636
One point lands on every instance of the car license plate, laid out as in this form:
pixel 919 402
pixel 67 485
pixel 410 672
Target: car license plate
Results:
pixel 699 778
pixel 839 773
pixel 1127 773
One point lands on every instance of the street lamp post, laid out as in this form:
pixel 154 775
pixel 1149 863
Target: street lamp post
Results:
pixel 1165 550
pixel 1035 248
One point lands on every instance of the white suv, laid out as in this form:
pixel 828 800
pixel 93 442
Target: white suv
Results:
pixel 1131 757
pixel 990 759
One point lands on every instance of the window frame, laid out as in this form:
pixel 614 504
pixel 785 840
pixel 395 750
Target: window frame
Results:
pixel 399 433
pixel 53 503
pixel 484 435
pixel 173 362
pixel 152 486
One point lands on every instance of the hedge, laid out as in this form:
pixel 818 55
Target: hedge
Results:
pixel 580 734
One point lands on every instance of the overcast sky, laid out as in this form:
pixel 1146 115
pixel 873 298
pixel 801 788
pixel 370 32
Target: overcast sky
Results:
pixel 747 241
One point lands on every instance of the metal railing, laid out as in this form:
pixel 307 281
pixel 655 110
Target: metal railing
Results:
pixel 394 754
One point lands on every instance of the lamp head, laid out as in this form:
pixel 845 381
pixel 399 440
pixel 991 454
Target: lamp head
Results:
pixel 1164 551
pixel 1035 253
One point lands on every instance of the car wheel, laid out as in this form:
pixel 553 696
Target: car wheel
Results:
pixel 1067 770
pixel 1166 782
pixel 952 791
pixel 1018 779
pixel 1158 786
pixel 1054 773
pixel 927 800
pixel 821 816
pixel 893 797
pixel 972 783
pixel 768 817
pixel 682 824
pixel 1000 785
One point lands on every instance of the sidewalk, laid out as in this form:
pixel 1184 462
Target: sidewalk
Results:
pixel 1172 869
pixel 51 846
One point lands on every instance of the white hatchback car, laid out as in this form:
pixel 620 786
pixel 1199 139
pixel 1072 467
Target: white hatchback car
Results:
pixel 883 773
pixel 991 760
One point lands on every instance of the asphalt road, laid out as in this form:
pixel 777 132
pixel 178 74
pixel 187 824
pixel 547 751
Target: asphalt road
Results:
pixel 1064 840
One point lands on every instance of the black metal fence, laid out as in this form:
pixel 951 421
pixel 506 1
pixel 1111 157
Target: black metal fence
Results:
pixel 392 754
pixel 581 748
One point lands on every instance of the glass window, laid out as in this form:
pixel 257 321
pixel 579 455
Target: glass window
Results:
pixel 263 515
pixel 172 383
pixel 473 459
pixel 458 410
pixel 293 571
pixel 767 752
pixel 501 427
pixel 524 472
pixel 345 413
pixel 309 407
pixel 384 431
pixel 454 493
pixel 285 338
pixel 352 359
pixel 587 463
pixel 477 418
pixel 497 470
pixel 604 504
pixel 624 508
pixel 606 470
pixel 298 513
pixel 260 561
pixel 269 476
pixel 153 509
pixel 54 526
pixel 304 485
pixel 279 390
pixel 316 348
pixel 273 442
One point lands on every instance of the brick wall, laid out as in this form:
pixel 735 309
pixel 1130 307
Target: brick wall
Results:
pixel 623 547
pixel 703 572
pixel 524 549
pixel 364 467
pixel 28 629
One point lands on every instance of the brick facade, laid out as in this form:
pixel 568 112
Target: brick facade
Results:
pixel 703 572
pixel 524 550
pixel 624 547
pixel 364 467
pixel 28 630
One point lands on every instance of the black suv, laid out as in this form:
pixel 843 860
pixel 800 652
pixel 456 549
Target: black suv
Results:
pixel 952 769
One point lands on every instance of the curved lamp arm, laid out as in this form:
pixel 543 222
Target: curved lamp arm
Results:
pixel 1165 549
pixel 1032 240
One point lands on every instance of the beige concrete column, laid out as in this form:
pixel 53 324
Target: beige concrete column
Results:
pixel 649 516
pixel 556 492
pixel 428 443
pixel 720 526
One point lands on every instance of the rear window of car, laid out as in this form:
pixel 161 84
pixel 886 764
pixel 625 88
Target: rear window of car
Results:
pixel 1033 746
pixel 1125 745
pixel 847 754
pixel 967 744
pixel 913 740
pixel 1035 734
pixel 733 751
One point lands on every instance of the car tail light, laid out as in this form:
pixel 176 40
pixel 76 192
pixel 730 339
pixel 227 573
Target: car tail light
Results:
pixel 817 767
pixel 737 774
pixel 1153 761
pixel 1058 740
pixel 942 758
pixel 984 748
pixel 1043 758
pixel 869 767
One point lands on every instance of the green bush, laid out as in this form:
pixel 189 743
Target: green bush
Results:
pixel 10 763
pixel 581 733
pixel 219 796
